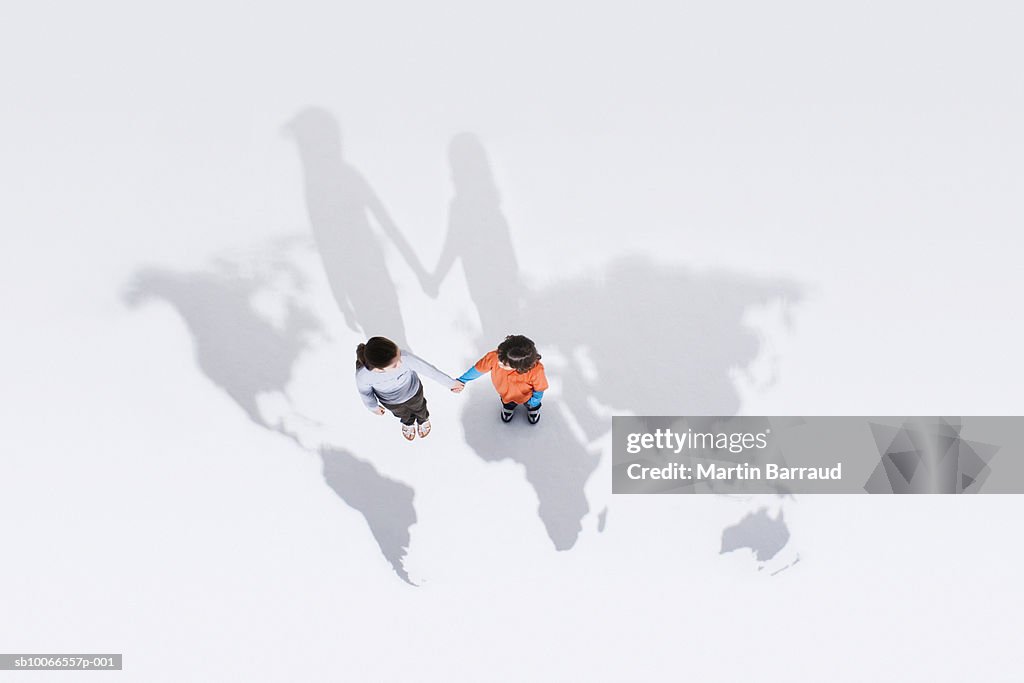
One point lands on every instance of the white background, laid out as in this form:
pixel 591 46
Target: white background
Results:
pixel 869 152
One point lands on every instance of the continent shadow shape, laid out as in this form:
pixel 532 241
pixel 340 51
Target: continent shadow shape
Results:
pixel 640 336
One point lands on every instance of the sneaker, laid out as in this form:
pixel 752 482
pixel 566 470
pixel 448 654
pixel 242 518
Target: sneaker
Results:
pixel 409 432
pixel 424 429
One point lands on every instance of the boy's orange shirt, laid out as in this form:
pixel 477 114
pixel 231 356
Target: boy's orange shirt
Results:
pixel 512 386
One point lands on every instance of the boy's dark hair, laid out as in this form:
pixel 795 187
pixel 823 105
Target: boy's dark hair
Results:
pixel 377 352
pixel 519 352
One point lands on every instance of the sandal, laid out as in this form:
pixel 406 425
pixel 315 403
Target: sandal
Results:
pixel 424 429
pixel 409 432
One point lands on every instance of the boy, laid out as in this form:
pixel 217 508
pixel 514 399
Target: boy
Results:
pixel 517 374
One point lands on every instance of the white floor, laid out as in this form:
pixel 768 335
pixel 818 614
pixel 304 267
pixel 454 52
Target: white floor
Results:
pixel 869 156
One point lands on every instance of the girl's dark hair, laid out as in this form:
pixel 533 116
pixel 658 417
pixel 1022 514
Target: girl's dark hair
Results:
pixel 518 352
pixel 377 352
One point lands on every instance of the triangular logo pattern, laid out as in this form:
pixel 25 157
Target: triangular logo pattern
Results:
pixel 927 455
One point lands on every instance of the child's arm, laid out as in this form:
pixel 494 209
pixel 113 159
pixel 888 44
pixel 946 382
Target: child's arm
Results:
pixel 421 366
pixel 479 368
pixel 368 397
pixel 539 384
pixel 469 375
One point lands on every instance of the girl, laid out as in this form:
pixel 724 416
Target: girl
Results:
pixel 517 374
pixel 387 374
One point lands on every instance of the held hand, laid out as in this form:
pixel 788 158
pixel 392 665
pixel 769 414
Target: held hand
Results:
pixel 379 411
pixel 458 387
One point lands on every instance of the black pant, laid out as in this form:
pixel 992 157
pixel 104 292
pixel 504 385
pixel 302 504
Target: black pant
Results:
pixel 511 405
pixel 412 410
